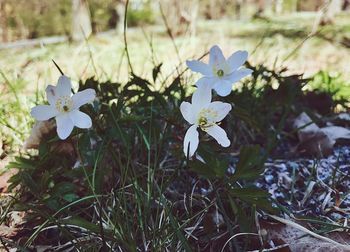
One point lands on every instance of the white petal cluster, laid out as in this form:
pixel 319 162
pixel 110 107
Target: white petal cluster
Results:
pixel 204 114
pixel 219 74
pixel 64 106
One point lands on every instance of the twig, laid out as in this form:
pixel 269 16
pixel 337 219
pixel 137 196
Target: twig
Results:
pixel 124 35
pixel 234 236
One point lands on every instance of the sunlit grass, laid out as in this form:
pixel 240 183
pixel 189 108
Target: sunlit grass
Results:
pixel 270 41
pixel 276 38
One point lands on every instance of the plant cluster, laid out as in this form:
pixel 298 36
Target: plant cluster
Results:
pixel 130 177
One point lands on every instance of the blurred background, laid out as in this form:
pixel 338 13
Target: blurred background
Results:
pixel 85 38
pixel 170 31
pixel 27 19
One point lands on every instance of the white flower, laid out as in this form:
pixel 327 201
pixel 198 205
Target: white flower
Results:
pixel 65 107
pixel 204 114
pixel 220 72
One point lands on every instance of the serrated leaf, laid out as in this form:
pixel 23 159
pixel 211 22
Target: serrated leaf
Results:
pixel 250 164
pixel 215 165
pixel 254 196
pixel 63 188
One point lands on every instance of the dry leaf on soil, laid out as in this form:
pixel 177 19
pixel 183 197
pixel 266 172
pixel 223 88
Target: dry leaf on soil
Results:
pixel 39 130
pixel 317 141
pixel 300 241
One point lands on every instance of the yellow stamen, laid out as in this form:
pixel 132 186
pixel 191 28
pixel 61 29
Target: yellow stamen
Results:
pixel 64 104
pixel 220 72
pixel 207 118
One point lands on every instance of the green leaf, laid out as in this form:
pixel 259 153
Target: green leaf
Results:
pixel 175 86
pixel 156 71
pixel 244 218
pixel 215 165
pixel 250 164
pixel 53 204
pixel 249 193
pixel 70 197
pixel 247 117
pixel 202 169
pixel 22 163
pixel 28 181
pixel 93 228
pixel 254 196
pixel 43 149
pixel 63 188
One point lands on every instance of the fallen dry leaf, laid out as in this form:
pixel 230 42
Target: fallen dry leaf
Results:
pixel 316 141
pixel 5 175
pixel 336 132
pixel 306 127
pixel 318 145
pixel 7 232
pixel 13 225
pixel 300 241
pixel 39 131
pixel 16 218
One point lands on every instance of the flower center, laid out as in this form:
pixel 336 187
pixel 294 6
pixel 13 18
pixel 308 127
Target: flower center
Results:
pixel 202 122
pixel 206 118
pixel 64 104
pixel 220 72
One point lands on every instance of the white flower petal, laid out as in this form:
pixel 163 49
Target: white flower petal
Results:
pixel 221 108
pixel 191 140
pixel 206 81
pixel 223 88
pixel 43 112
pixel 80 119
pixel 187 112
pixel 64 125
pixel 201 98
pixel 237 59
pixel 64 86
pixel 220 135
pixel 83 97
pixel 216 58
pixel 199 67
pixel 239 74
pixel 199 158
pixel 51 94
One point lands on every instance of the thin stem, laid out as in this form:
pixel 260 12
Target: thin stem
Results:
pixel 124 34
pixel 169 32
pixel 59 69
